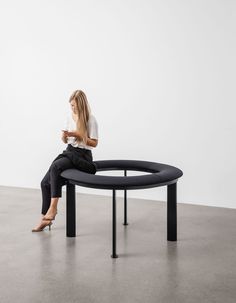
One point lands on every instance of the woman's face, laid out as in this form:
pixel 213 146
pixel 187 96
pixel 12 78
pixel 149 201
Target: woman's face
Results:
pixel 74 107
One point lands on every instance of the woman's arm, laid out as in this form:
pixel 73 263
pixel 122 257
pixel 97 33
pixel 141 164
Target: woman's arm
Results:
pixel 90 142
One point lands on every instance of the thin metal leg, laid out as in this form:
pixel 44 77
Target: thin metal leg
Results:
pixel 172 212
pixel 125 203
pixel 70 210
pixel 114 255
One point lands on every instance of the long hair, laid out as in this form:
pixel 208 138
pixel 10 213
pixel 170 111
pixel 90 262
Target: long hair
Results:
pixel 84 112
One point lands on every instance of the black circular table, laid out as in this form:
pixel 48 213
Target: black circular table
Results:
pixel 159 175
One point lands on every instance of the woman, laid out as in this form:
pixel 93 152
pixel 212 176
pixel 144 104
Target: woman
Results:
pixel 82 136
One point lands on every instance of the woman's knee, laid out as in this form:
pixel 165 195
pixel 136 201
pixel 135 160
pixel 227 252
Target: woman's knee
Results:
pixel 53 166
pixel 61 164
pixel 56 167
pixel 44 182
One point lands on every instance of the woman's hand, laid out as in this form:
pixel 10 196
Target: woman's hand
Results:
pixel 74 134
pixel 70 134
pixel 64 136
pixel 64 132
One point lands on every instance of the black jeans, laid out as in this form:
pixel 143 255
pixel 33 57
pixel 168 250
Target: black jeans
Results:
pixel 52 182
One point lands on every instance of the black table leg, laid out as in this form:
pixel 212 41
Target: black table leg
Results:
pixel 172 212
pixel 70 210
pixel 125 203
pixel 114 255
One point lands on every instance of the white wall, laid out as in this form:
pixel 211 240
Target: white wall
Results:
pixel 159 76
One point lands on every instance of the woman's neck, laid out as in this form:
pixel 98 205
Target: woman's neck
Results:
pixel 74 116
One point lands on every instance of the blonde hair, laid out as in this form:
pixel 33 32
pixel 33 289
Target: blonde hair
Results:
pixel 84 112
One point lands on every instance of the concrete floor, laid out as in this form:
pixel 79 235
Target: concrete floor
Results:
pixel 49 267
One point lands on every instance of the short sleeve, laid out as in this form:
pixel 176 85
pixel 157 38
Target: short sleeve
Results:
pixel 93 128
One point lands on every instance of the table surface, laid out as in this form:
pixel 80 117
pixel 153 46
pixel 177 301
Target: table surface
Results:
pixel 159 174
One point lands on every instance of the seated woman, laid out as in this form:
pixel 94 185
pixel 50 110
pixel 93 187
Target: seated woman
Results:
pixel 82 136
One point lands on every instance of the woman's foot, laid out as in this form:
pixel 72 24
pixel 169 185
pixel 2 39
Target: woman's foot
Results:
pixel 51 213
pixel 42 225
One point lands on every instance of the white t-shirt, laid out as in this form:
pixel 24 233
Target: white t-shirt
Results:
pixel 70 125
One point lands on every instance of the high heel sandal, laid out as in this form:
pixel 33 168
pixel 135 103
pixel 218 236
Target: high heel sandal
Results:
pixel 50 218
pixel 42 228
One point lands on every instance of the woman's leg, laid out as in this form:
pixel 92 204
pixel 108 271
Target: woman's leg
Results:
pixel 56 182
pixel 46 193
pixel 47 201
pixel 85 162
pixel 47 198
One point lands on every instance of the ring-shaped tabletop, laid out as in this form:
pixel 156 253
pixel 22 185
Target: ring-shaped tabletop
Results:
pixel 160 174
